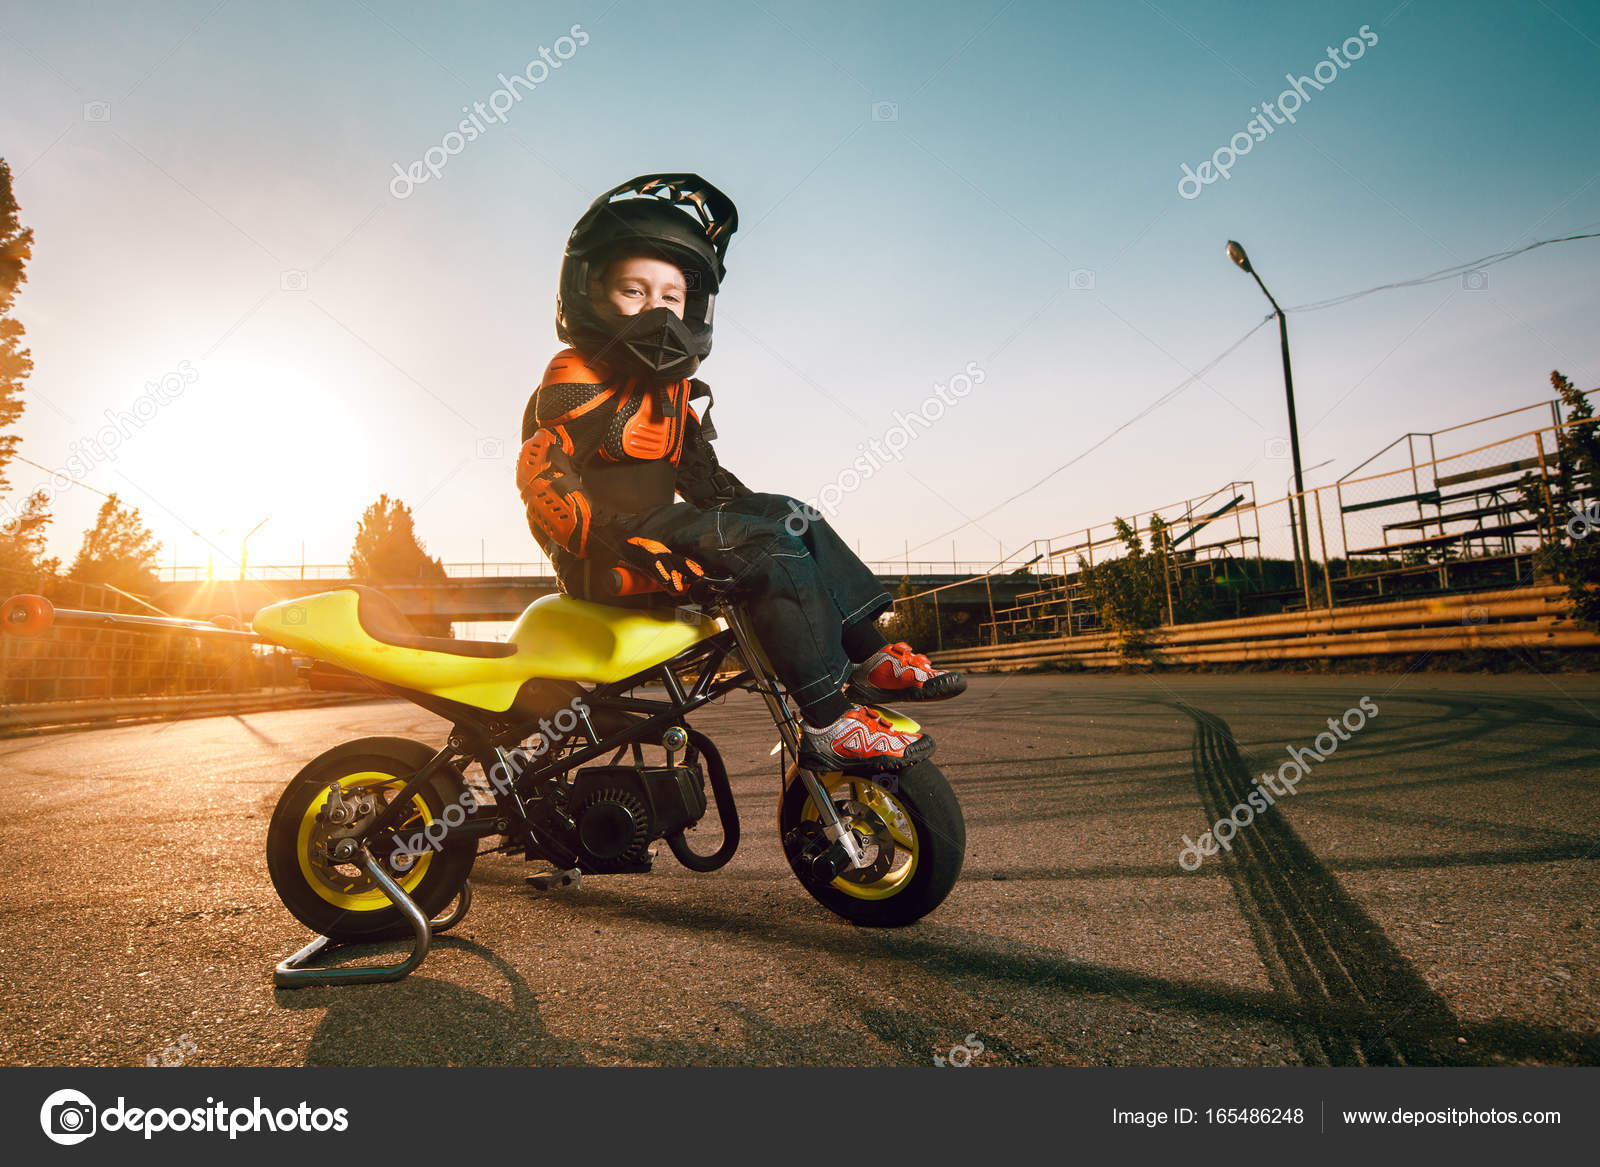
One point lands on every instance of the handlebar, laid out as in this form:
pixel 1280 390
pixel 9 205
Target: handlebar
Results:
pixel 623 580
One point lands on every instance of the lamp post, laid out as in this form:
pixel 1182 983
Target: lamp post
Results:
pixel 1237 254
pixel 244 547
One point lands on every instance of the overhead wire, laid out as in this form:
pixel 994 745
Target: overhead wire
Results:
pixel 1314 306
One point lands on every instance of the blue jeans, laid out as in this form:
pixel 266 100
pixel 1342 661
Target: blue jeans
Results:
pixel 800 584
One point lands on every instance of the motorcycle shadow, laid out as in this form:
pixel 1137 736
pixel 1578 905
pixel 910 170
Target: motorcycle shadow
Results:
pixel 425 1021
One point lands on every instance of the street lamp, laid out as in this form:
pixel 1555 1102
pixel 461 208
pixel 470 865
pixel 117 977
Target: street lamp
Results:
pixel 244 546
pixel 1237 254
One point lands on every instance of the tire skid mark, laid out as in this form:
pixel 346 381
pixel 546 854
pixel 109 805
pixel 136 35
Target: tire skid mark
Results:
pixel 1317 942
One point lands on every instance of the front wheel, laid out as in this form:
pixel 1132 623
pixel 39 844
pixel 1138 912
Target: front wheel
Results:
pixel 913 836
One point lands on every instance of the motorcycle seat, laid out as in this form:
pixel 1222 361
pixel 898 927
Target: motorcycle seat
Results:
pixel 557 637
pixel 382 619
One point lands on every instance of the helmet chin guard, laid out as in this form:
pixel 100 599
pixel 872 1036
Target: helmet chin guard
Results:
pixel 679 218
pixel 658 344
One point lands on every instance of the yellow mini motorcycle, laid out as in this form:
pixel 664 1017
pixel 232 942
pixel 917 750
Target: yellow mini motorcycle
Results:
pixel 579 727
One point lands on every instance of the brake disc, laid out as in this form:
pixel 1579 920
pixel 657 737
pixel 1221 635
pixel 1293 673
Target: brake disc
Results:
pixel 858 815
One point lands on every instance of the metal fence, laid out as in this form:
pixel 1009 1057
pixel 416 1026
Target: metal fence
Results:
pixel 76 664
pixel 1436 522
pixel 1446 516
pixel 529 569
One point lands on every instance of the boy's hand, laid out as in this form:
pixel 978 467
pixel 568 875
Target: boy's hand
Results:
pixel 677 573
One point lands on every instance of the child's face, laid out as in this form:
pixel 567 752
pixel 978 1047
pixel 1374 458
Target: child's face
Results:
pixel 636 284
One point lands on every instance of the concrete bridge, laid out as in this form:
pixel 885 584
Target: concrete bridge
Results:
pixel 504 597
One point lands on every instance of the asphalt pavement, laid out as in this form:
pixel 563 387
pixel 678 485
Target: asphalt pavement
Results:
pixel 1429 892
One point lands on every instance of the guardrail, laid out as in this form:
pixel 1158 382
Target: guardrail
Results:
pixel 1529 618
pixel 62 716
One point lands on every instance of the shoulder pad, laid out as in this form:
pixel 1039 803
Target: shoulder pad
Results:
pixel 572 386
pixel 570 367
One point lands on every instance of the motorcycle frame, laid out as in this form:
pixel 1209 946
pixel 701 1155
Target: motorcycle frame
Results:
pixel 484 737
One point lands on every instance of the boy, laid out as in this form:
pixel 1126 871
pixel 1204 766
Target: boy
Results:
pixel 609 436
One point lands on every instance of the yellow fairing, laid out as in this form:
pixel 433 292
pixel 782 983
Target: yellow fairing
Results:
pixel 898 720
pixel 557 637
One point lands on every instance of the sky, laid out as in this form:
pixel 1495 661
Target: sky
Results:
pixel 228 269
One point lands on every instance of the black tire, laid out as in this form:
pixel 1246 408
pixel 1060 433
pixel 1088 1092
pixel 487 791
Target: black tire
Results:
pixel 931 819
pixel 343 901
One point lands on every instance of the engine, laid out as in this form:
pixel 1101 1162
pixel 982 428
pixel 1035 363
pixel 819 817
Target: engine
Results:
pixel 618 811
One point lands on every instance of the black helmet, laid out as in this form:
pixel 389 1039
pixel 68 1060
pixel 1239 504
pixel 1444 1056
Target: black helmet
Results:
pixel 680 218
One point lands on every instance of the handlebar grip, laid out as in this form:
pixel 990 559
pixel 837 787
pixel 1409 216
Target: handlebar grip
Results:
pixel 623 580
pixel 27 615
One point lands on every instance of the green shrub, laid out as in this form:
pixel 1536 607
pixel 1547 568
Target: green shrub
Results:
pixel 1130 593
pixel 1564 499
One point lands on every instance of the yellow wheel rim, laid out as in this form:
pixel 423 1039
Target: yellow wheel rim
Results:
pixel 345 885
pixel 897 824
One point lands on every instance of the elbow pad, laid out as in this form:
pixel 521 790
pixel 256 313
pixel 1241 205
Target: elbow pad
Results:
pixel 552 492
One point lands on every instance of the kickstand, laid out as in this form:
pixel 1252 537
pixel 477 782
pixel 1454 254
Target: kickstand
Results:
pixel 291 972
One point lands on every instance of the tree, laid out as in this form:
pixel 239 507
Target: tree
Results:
pixel 22 538
pixel 16 248
pixel 387 550
pixel 911 620
pixel 1564 500
pixel 118 550
pixel 21 533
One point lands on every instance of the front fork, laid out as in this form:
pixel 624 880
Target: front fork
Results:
pixel 755 660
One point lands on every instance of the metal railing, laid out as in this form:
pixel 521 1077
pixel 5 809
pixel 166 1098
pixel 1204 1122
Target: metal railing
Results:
pixel 533 569
pixel 1472 519
pixel 81 664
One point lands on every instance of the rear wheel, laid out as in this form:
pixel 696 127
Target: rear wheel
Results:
pixel 913 837
pixel 341 900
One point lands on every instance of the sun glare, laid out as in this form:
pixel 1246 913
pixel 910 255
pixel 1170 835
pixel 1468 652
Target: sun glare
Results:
pixel 271 453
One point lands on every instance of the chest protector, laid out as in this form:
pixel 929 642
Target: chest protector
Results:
pixel 647 424
pixel 624 435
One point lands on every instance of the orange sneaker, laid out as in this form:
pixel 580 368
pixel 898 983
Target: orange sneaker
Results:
pixel 862 738
pixel 896 673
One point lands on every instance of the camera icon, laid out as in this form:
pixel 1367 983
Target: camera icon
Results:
pixel 692 281
pixel 1476 616
pixel 294 614
pixel 1276 449
pixel 1081 279
pixel 885 111
pixel 490 449
pixel 293 280
pixel 68 1117
pixel 97 111
pixel 1475 281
